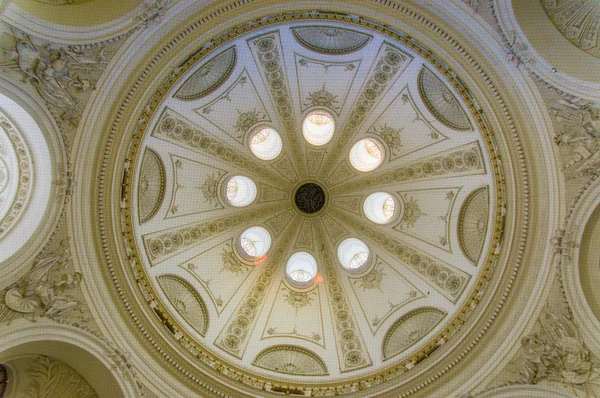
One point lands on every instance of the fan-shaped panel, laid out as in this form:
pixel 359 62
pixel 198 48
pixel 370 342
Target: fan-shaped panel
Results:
pixel 472 223
pixel 330 40
pixel 441 102
pixel 291 360
pixel 186 301
pixel 409 329
pixel 209 77
pixel 152 182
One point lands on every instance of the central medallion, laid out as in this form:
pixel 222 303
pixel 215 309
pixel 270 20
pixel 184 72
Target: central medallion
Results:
pixel 310 198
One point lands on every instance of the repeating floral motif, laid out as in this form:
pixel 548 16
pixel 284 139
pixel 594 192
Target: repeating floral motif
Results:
pixel 391 136
pixel 151 188
pixel 441 102
pixel 164 244
pixel 209 77
pixel 321 98
pixel 247 119
pixel 448 280
pixel 24 174
pixel 235 335
pixel 389 64
pixel 464 160
pixel 578 21
pixel 178 130
pixel 270 60
pixel 209 189
pixel 409 329
pixel 350 344
pixel 186 301
pixel 330 40
pixel 291 360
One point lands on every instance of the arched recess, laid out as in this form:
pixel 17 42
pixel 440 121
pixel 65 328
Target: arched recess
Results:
pixel 580 263
pixel 94 360
pixel 38 132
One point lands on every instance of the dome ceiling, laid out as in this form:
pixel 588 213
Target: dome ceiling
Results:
pixel 425 261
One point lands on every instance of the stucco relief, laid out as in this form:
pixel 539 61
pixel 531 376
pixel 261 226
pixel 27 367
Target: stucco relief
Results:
pixel 330 39
pixel 291 360
pixel 578 21
pixel 208 77
pixel 186 301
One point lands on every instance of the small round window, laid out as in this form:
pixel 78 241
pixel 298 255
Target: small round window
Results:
pixel 266 144
pixel 301 268
pixel 318 127
pixel 240 191
pixel 353 254
pixel 255 242
pixel 381 207
pixel 366 155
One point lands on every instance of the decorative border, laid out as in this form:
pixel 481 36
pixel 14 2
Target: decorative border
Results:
pixel 194 293
pixel 25 176
pixel 492 256
pixel 161 194
pixel 321 50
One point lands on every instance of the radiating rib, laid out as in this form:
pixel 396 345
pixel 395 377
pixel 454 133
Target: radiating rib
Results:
pixel 445 278
pixel 236 334
pixel 461 161
pixel 177 129
pixel 165 244
pixel 266 50
pixel 388 65
pixel 351 349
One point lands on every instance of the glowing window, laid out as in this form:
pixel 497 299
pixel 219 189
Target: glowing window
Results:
pixel 380 207
pixel 255 242
pixel 366 155
pixel 240 191
pixel 301 268
pixel 353 254
pixel 318 127
pixel 266 144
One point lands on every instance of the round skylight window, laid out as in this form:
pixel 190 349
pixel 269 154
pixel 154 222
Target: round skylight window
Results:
pixel 366 155
pixel 266 144
pixel 301 268
pixel 240 191
pixel 318 127
pixel 381 207
pixel 255 242
pixel 353 254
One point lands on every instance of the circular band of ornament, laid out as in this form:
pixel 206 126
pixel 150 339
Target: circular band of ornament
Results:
pixel 395 369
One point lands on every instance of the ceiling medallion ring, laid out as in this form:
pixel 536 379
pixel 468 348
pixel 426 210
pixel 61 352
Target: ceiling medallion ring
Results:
pixel 401 367
pixel 310 198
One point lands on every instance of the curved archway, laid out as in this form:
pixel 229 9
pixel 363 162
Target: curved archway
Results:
pixel 100 365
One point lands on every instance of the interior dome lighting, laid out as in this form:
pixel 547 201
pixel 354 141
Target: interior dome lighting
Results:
pixel 301 268
pixel 240 191
pixel 266 144
pixel 353 254
pixel 255 242
pixel 380 207
pixel 366 155
pixel 318 127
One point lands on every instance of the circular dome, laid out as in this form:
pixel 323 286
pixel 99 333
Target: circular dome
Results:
pixel 366 155
pixel 353 254
pixel 381 207
pixel 266 144
pixel 240 191
pixel 301 268
pixel 249 307
pixel 318 127
pixel 255 242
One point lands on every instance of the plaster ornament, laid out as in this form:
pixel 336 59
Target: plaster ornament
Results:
pixel 517 52
pixel 43 291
